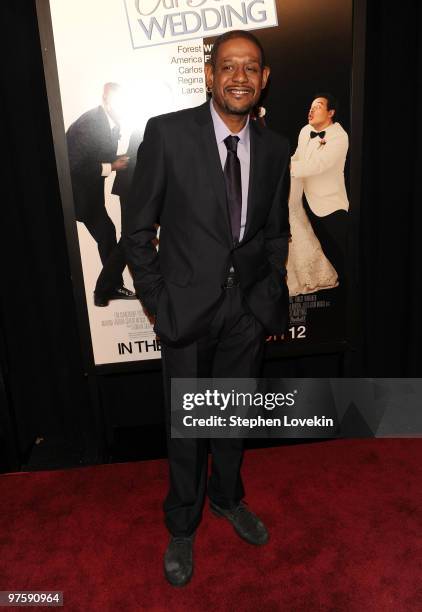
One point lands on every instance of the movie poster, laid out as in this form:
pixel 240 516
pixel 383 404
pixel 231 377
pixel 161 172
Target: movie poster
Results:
pixel 120 62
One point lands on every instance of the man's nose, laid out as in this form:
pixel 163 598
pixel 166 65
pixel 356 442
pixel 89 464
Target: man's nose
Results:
pixel 240 75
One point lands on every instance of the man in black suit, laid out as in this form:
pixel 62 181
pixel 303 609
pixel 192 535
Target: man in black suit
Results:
pixel 92 142
pixel 217 184
pixel 123 180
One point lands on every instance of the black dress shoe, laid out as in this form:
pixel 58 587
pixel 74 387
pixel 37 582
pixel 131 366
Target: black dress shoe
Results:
pixel 178 560
pixel 246 524
pixel 121 293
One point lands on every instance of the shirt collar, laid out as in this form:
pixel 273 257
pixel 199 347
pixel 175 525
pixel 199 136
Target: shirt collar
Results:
pixel 329 127
pixel 111 123
pixel 222 131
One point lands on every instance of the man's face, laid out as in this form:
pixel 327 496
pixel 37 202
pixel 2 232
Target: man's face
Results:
pixel 238 78
pixel 319 116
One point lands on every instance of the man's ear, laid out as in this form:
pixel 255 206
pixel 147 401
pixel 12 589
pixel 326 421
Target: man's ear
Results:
pixel 209 75
pixel 331 113
pixel 265 74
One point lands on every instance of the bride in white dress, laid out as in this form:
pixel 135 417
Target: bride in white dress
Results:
pixel 308 269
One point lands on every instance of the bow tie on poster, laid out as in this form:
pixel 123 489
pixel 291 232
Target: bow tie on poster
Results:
pixel 320 134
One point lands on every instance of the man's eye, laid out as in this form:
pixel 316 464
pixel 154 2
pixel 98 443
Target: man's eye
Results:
pixel 251 69
pixel 227 67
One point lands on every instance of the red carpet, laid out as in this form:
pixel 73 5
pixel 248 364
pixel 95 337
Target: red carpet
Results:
pixel 345 519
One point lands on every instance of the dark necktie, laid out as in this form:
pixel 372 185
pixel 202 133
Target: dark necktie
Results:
pixel 115 135
pixel 320 134
pixel 233 181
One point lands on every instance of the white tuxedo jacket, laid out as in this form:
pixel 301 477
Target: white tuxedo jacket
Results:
pixel 320 167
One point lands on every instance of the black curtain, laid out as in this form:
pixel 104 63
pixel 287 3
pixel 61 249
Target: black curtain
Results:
pixel 48 393
pixel 391 202
pixel 44 376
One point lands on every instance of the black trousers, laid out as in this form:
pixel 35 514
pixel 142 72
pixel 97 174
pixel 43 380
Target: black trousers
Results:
pixel 234 348
pixel 332 232
pixel 102 229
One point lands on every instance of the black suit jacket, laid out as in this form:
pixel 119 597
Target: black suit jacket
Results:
pixel 123 179
pixel 179 184
pixel 89 144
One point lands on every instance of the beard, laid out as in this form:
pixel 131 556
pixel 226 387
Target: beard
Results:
pixel 238 111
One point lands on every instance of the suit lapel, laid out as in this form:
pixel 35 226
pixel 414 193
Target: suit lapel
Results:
pixel 311 147
pixel 213 162
pixel 255 167
pixel 109 146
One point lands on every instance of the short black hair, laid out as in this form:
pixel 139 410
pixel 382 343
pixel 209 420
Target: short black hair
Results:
pixel 332 103
pixel 229 36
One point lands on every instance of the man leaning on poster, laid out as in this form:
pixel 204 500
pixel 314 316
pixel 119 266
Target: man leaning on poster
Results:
pixel 92 142
pixel 217 184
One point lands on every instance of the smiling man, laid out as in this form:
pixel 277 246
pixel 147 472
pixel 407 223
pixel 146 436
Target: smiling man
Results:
pixel 217 184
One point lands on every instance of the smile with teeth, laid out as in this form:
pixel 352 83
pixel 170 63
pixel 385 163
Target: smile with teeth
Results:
pixel 238 91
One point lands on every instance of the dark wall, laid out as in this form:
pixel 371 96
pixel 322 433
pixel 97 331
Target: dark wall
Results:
pixel 46 390
pixel 313 53
pixel 391 211
pixel 43 372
